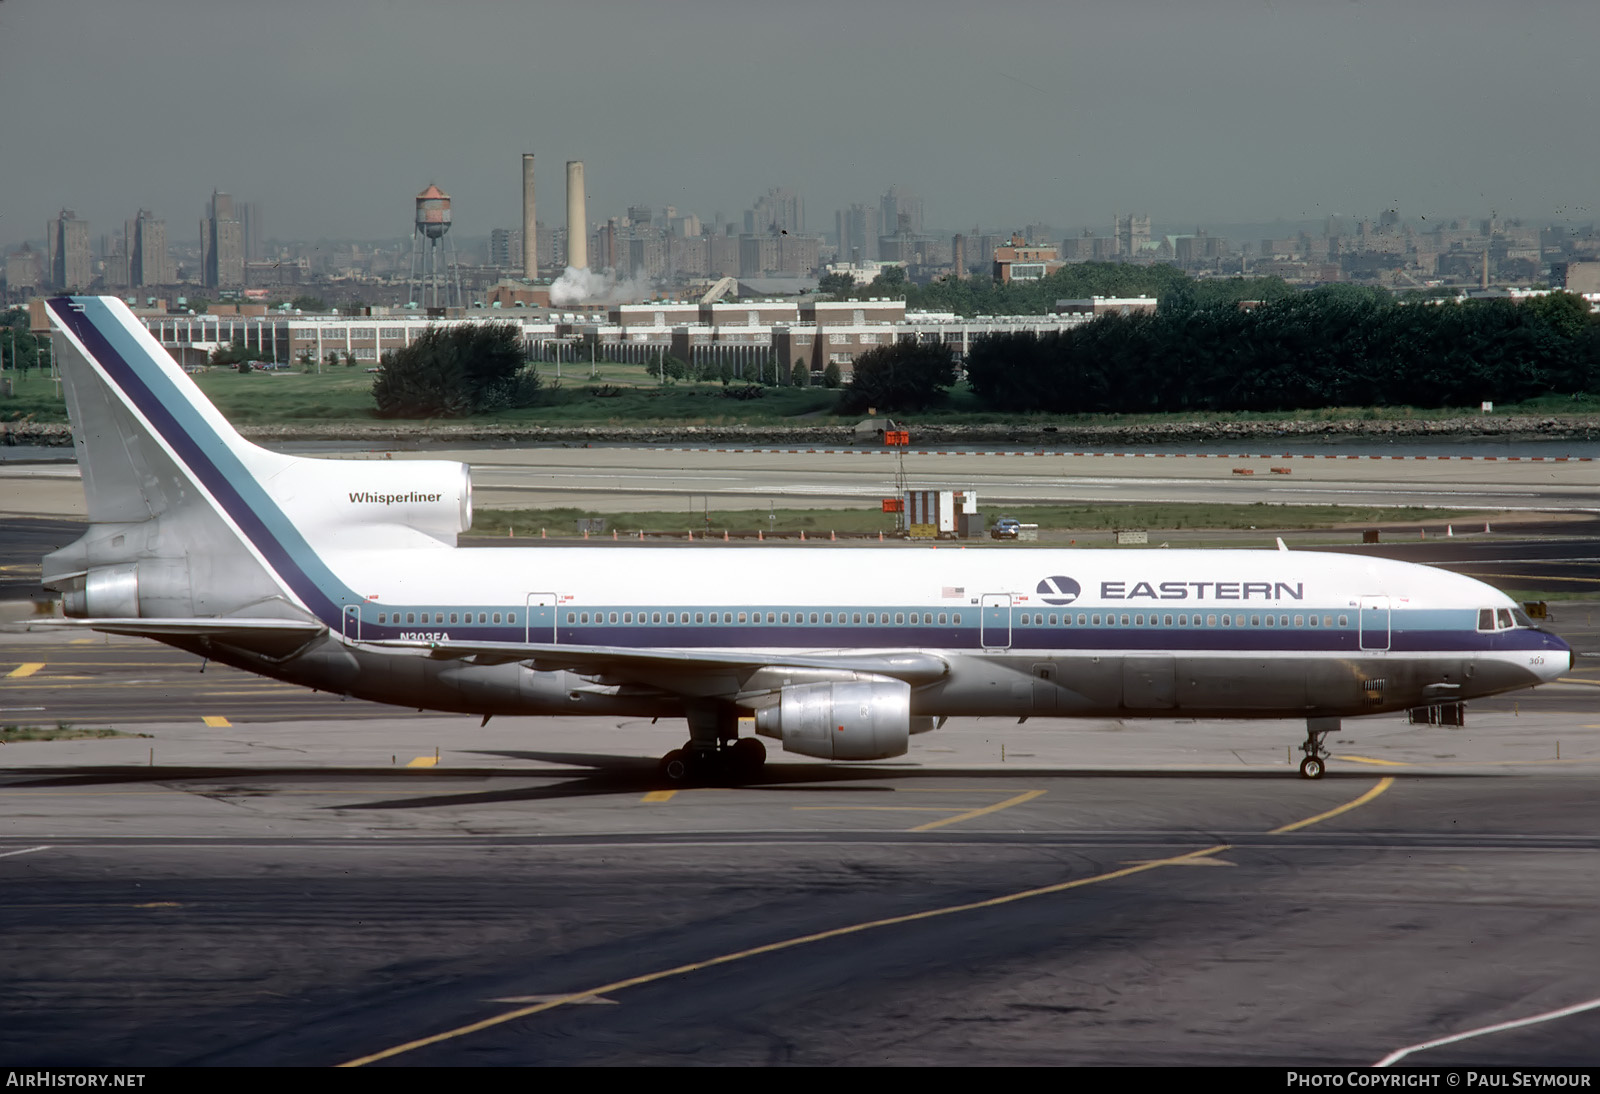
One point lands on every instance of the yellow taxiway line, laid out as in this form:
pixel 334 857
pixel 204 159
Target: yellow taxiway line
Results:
pixel 27 668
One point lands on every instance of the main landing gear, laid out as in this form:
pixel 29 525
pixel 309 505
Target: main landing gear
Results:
pixel 1317 755
pixel 726 762
pixel 714 753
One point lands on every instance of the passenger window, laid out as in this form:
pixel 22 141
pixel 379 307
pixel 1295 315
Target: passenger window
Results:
pixel 452 617
pixel 942 618
pixel 1211 620
pixel 1083 620
pixel 1238 621
pixel 1052 619
pixel 1270 621
pixel 827 617
pixel 1227 621
pixel 899 617
pixel 956 619
pixel 1095 619
pixel 585 618
pixel 813 617
pixel 381 618
pixel 1344 621
pixel 438 617
pixel 511 617
pixel 497 617
pixel 741 617
pixel 1166 620
pixel 411 617
pixel 772 617
pixel 1283 621
pixel 627 617
pixel 612 617
pixel 1313 621
pixel 483 617
pixel 699 617
pixel 1299 620
pixel 655 617
pixel 1255 621
pixel 856 618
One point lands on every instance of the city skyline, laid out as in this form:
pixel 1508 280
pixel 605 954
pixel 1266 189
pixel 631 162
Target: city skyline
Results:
pixel 1220 112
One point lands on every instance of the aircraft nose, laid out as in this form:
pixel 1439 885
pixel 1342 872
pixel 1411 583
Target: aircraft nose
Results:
pixel 1557 659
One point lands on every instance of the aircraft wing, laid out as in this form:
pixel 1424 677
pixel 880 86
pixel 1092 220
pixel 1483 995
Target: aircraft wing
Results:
pixel 915 667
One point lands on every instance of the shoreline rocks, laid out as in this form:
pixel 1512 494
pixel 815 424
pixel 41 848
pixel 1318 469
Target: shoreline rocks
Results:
pixel 1044 434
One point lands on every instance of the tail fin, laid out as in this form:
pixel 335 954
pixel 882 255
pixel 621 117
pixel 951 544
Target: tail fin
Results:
pixel 189 518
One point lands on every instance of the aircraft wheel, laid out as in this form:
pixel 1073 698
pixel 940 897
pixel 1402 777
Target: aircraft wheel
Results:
pixel 1311 767
pixel 748 755
pixel 675 766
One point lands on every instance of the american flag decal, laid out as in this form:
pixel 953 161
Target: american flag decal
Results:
pixel 952 591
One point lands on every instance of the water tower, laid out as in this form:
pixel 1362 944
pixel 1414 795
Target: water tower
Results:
pixel 435 277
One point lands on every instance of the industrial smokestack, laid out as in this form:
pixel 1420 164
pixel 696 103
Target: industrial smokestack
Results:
pixel 530 229
pixel 577 218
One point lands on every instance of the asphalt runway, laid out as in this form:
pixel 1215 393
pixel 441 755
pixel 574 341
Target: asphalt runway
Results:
pixel 621 479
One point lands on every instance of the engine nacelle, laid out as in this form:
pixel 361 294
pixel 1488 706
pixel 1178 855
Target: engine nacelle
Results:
pixel 149 587
pixel 867 720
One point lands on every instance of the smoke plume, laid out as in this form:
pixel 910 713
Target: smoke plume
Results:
pixel 577 286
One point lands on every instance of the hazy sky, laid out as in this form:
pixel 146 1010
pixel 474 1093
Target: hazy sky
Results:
pixel 334 114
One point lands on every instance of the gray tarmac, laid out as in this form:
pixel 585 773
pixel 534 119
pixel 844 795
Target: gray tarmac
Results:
pixel 286 888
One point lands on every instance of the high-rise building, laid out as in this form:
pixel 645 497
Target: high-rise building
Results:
pixel 899 201
pixel 70 266
pixel 1131 233
pixel 249 213
pixel 858 228
pixel 23 269
pixel 779 210
pixel 146 248
pixel 221 244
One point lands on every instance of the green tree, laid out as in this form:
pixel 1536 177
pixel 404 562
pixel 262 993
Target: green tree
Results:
pixel 840 286
pixel 306 302
pixel 831 376
pixel 904 376
pixel 800 375
pixel 456 371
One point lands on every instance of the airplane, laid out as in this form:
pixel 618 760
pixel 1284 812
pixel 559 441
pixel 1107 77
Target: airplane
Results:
pixel 346 576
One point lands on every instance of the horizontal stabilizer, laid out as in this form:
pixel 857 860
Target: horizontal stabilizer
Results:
pixel 219 628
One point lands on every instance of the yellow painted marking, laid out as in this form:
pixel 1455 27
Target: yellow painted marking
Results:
pixel 658 796
pixel 216 721
pixel 776 947
pixel 160 904
pixel 1025 796
pixel 1383 784
pixel 81 642
pixel 26 669
pixel 423 761
pixel 1575 680
pixel 1373 760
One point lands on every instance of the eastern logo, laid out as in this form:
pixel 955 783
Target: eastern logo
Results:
pixel 1058 590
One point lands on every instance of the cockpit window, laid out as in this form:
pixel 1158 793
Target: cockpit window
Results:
pixel 1486 619
pixel 1502 616
pixel 1522 619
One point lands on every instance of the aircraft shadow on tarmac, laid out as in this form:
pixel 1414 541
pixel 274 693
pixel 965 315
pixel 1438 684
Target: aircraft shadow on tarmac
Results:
pixel 597 775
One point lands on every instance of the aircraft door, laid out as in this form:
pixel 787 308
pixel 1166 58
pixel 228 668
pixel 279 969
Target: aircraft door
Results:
pixel 994 622
pixel 1044 687
pixel 541 619
pixel 352 622
pixel 1373 623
